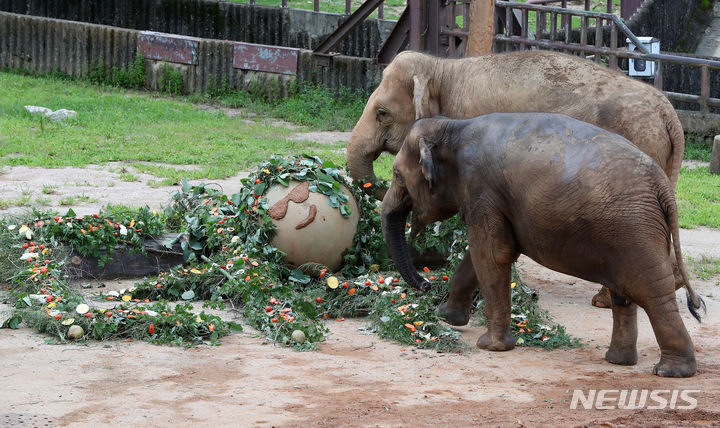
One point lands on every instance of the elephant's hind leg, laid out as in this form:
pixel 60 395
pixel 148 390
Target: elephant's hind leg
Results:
pixel 456 311
pixel 623 345
pixel 677 353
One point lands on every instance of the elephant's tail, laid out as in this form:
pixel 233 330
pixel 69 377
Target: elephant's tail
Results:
pixel 667 201
pixel 677 143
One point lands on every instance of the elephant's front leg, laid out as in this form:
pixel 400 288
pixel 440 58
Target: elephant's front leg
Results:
pixel 495 286
pixel 494 279
pixel 623 345
pixel 493 250
pixel 456 311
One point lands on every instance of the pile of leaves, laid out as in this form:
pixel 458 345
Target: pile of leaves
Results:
pixel 34 254
pixel 231 263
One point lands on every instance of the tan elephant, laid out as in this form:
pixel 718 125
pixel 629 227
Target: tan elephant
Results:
pixel 417 85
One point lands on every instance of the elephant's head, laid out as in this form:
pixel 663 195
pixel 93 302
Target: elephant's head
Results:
pixel 405 94
pixel 424 182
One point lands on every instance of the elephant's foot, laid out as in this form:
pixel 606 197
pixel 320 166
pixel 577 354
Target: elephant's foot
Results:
pixel 495 344
pixel 623 357
pixel 672 366
pixel 602 299
pixel 453 316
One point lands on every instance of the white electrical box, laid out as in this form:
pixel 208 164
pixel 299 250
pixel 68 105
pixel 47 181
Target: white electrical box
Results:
pixel 640 67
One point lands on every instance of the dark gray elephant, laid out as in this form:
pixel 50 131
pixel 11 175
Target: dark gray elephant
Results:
pixel 571 196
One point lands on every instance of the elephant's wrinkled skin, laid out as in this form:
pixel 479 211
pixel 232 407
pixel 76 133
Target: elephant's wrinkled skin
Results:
pixel 571 196
pixel 417 85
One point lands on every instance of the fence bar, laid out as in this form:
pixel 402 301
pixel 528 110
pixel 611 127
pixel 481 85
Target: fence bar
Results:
pixel 347 7
pixel 415 9
pixel 316 5
pixel 432 35
pixel 598 37
pixel 704 87
pixel 613 63
pixel 584 21
pixel 347 26
pixel 658 76
pixel 380 11
pixel 525 27
pixel 688 98
pixel 508 22
pixel 567 23
pixel 600 50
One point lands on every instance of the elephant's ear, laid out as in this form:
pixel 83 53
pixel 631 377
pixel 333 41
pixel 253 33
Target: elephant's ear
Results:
pixel 424 105
pixel 426 161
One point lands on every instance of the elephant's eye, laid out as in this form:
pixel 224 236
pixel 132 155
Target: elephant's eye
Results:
pixel 381 113
pixel 397 177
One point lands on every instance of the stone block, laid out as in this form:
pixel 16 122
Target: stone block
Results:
pixel 715 158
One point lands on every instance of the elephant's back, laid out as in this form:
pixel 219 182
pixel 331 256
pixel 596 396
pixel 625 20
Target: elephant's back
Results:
pixel 552 154
pixel 543 81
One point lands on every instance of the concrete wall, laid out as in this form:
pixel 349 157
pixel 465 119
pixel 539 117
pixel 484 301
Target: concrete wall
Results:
pixel 677 23
pixel 212 19
pixel 41 45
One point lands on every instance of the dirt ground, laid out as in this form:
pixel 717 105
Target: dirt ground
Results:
pixel 353 379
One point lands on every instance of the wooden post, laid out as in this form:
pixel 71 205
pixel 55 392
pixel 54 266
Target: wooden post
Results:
pixel 482 28
pixel 715 157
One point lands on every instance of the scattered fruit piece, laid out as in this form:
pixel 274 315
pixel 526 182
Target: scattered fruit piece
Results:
pixel 298 336
pixel 75 332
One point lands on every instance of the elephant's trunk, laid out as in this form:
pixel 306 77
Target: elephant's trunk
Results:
pixel 393 226
pixel 361 155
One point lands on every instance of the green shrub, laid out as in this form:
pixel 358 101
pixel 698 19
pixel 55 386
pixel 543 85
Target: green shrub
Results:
pixel 171 81
pixel 698 147
pixel 132 77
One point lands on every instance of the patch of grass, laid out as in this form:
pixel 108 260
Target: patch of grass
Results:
pixel 320 108
pixel 67 201
pixel 48 189
pixel 698 147
pixel 393 8
pixel 171 81
pixel 313 106
pixel 42 201
pixel 78 199
pixel 162 183
pixel 19 201
pixel 705 267
pixel 128 177
pixel 132 77
pixel 113 125
pixel 698 198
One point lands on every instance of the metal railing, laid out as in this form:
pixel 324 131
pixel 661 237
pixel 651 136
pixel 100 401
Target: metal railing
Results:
pixel 513 32
pixel 627 7
pixel 316 6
